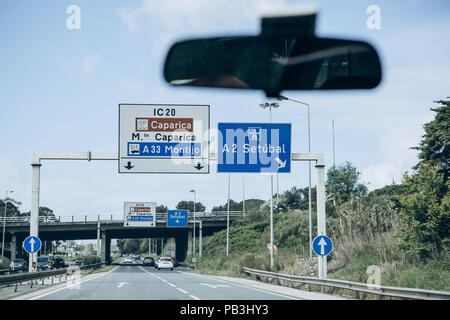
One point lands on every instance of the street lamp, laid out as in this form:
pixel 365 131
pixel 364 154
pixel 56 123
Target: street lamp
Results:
pixel 280 97
pixel 270 106
pixel 4 225
pixel 193 250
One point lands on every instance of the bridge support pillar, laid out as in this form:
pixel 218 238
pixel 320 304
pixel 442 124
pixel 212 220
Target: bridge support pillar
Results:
pixel 181 245
pixel 13 247
pixel 106 248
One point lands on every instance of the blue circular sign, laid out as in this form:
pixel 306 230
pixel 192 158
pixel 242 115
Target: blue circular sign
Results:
pixel 32 244
pixel 322 245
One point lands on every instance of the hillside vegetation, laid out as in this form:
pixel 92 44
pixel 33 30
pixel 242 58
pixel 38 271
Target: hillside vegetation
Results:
pixel 403 229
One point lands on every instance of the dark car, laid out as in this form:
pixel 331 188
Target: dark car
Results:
pixel 175 263
pixel 43 263
pixel 149 261
pixel 18 265
pixel 57 263
pixel 78 261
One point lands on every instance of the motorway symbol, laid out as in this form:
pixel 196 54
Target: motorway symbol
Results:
pixel 129 166
pixel 177 219
pixel 163 138
pixel 322 245
pixel 32 244
pixel 254 147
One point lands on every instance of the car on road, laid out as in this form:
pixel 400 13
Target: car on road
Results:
pixel 165 263
pixel 57 263
pixel 43 263
pixel 18 265
pixel 148 261
pixel 127 261
pixel 156 262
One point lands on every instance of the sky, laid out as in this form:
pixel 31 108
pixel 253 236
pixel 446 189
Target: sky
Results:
pixel 60 88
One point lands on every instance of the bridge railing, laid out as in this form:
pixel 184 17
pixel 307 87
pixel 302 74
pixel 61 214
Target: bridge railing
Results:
pixel 105 218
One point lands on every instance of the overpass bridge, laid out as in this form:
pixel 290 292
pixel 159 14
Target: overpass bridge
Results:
pixel 111 227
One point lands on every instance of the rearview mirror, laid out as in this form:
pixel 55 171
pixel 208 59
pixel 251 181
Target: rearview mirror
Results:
pixel 273 63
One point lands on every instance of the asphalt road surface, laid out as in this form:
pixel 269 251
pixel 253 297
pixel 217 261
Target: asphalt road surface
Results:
pixel 146 283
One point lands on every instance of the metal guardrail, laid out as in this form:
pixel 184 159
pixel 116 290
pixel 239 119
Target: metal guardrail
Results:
pixel 396 292
pixel 27 276
pixel 160 217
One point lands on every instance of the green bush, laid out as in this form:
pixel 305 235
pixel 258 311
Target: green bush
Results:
pixel 91 260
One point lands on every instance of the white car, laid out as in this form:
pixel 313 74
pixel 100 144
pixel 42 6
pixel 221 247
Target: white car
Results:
pixel 165 263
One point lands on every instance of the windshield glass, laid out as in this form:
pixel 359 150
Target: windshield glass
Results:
pixel 105 158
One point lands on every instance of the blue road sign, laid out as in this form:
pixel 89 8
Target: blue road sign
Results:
pixel 322 245
pixel 254 147
pixel 32 244
pixel 177 218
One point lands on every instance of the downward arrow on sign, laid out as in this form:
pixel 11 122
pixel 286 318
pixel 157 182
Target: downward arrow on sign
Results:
pixel 322 244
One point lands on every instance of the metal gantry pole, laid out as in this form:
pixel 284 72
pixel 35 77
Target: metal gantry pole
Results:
pixel 228 215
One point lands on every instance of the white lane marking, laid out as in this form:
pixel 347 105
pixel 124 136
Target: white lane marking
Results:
pixel 214 286
pixel 121 284
pixel 239 285
pixel 65 287
pixel 172 285
pixel 181 290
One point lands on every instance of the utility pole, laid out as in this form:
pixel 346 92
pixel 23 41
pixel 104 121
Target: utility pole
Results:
pixel 4 225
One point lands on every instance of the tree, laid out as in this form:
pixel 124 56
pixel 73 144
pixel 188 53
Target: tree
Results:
pixel 342 183
pixel 425 212
pixel 189 205
pixel 161 209
pixel 132 246
pixel 435 145
pixel 234 206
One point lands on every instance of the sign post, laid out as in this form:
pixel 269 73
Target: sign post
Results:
pixel 163 138
pixel 177 219
pixel 254 147
pixel 139 214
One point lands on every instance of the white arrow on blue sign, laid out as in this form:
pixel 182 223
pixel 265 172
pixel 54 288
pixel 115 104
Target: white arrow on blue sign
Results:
pixel 322 245
pixel 32 244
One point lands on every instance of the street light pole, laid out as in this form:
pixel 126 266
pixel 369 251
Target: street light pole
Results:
pixel 193 249
pixel 4 225
pixel 270 106
pixel 280 97
pixel 228 215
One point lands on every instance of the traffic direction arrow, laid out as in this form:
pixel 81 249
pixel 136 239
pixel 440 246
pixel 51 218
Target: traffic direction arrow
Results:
pixel 129 166
pixel 322 245
pixel 198 166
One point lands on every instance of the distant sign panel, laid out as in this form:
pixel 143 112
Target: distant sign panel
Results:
pixel 139 214
pixel 254 147
pixel 163 138
pixel 177 218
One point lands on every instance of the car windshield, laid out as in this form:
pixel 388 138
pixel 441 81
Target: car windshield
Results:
pixel 271 148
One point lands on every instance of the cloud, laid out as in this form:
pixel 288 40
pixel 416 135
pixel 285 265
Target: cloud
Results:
pixel 86 66
pixel 396 157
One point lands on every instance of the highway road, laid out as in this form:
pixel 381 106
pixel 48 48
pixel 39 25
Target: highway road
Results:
pixel 137 282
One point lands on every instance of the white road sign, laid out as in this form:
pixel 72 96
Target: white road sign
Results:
pixel 139 214
pixel 155 138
